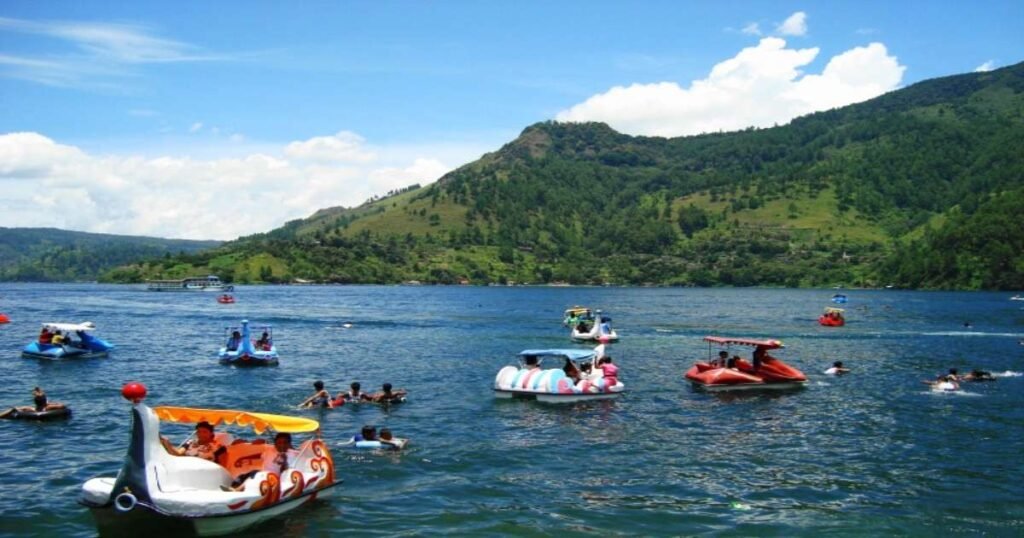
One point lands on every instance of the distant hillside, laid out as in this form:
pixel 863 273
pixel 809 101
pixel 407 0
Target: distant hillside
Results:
pixel 838 197
pixel 49 254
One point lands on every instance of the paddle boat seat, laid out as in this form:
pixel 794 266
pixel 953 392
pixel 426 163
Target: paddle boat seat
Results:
pixel 190 474
pixel 247 457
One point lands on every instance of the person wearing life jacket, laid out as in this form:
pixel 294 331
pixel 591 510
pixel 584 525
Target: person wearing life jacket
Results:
pixel 611 372
pixel 45 336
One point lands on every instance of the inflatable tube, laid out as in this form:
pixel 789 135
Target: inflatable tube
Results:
pixel 51 414
pixel 395 444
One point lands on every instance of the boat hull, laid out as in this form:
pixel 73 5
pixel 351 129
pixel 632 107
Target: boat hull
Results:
pixel 139 521
pixel 710 378
pixel 58 354
pixel 547 397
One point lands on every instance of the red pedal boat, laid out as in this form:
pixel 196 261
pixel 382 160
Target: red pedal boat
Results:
pixel 225 299
pixel 764 372
pixel 833 317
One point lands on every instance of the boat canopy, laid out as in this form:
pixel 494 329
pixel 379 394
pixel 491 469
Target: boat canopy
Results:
pixel 259 422
pixel 573 354
pixel 724 341
pixel 84 326
pixel 830 310
pixel 577 310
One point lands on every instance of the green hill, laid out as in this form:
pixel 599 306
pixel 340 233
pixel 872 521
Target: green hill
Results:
pixel 837 197
pixel 49 254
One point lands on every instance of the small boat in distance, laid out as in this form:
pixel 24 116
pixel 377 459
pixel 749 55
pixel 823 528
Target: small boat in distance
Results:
pixel 528 381
pixel 573 316
pixel 598 329
pixel 225 299
pixel 240 350
pixel 4 318
pixel 207 283
pixel 1017 297
pixel 839 298
pixel 67 341
pixel 156 490
pixel 765 372
pixel 833 317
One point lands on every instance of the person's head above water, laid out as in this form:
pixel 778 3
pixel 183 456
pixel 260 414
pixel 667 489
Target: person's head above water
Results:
pixel 318 385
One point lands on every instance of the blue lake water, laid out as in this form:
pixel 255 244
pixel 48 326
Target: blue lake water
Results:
pixel 869 453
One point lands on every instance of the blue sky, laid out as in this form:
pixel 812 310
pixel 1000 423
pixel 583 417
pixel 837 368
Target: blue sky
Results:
pixel 283 108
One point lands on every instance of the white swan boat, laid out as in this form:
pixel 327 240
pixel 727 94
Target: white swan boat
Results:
pixel 530 381
pixel 159 491
pixel 597 330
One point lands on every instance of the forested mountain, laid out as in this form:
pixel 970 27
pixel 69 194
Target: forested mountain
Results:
pixel 49 254
pixel 916 188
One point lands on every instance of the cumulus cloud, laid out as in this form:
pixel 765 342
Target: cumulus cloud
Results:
pixel 46 183
pixel 761 86
pixel 342 147
pixel 796 25
pixel 987 66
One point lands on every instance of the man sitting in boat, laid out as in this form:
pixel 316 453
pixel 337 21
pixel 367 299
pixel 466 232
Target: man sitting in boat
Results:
pixel 205 445
pixel 45 336
pixel 234 341
pixel 39 399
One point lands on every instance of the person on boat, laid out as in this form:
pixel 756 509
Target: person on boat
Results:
pixel 722 360
pixel 531 362
pixel 39 402
pixel 263 343
pixel 760 353
pixel 582 327
pixel 284 459
pixel 205 445
pixel 58 339
pixel 386 395
pixel 234 341
pixel 606 326
pixel 368 433
pixel 45 336
pixel 571 371
pixel 610 372
pixel 979 375
pixel 732 363
pixel 837 369
pixel 320 398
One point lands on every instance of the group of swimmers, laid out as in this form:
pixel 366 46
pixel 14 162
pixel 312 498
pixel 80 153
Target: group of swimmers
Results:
pixel 322 398
pixel 951 380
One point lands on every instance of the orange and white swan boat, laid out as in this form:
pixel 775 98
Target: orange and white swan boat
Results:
pixel 157 490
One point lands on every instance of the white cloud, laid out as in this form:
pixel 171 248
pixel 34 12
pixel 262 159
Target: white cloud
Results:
pixel 751 29
pixel 796 25
pixel 987 66
pixel 196 127
pixel 761 86
pixel 46 183
pixel 342 147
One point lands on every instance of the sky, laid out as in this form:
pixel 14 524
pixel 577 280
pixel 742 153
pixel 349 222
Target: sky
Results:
pixel 211 120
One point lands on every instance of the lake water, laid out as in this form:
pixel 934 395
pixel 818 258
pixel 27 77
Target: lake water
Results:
pixel 869 453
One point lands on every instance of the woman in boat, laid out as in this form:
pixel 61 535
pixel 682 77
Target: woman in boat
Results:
pixel 205 445
pixel 234 341
pixel 610 371
pixel 320 398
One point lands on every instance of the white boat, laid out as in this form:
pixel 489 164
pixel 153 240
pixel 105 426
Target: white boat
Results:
pixel 529 381
pixel 207 283
pixel 1017 297
pixel 159 491
pixel 598 330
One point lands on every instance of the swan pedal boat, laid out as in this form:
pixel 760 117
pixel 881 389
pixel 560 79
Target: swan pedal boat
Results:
pixel 572 316
pixel 552 385
pixel 246 353
pixel 82 346
pixel 159 491
pixel 599 330
pixel 711 375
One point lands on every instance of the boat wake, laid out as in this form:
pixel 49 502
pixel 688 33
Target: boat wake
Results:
pixel 971 333
pixel 943 393
pixel 1008 373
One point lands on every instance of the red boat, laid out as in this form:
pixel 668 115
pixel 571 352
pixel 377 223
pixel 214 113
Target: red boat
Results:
pixel 833 317
pixel 225 299
pixel 724 373
pixel 4 319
